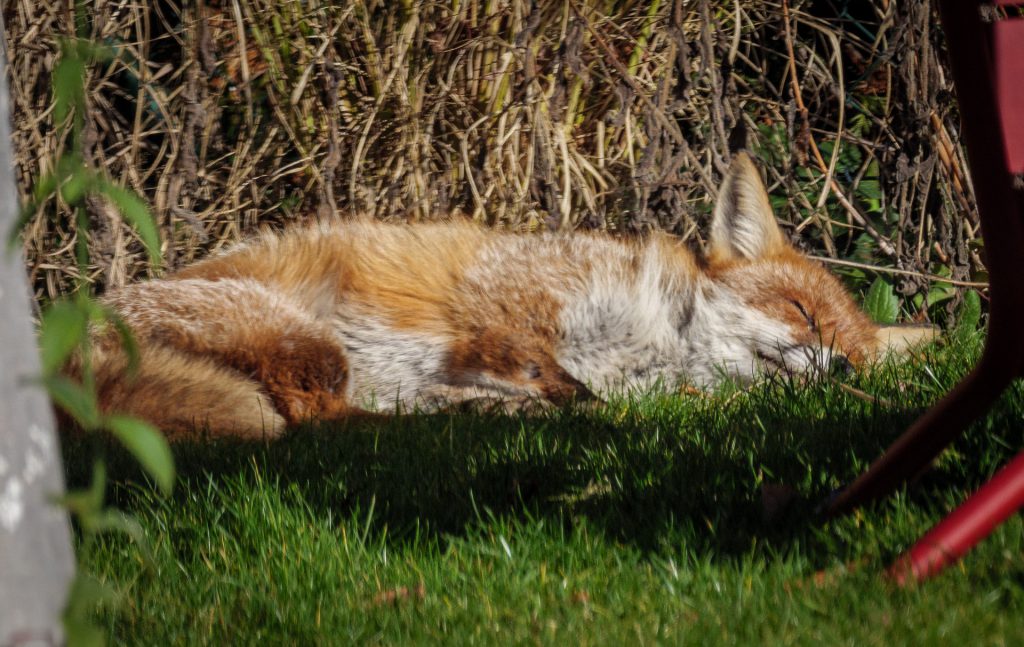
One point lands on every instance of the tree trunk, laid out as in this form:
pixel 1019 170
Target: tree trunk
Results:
pixel 36 561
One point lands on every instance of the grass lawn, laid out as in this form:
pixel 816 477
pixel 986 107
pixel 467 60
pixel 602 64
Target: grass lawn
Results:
pixel 642 523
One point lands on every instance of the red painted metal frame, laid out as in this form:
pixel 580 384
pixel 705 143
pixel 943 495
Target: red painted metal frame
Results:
pixel 979 515
pixel 1008 56
pixel 992 115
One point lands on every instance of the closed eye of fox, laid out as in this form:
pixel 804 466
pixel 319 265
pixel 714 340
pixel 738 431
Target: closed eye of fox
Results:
pixel 329 321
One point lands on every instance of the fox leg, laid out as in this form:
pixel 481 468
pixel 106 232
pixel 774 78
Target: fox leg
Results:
pixel 242 324
pixel 472 399
pixel 182 394
pixel 515 365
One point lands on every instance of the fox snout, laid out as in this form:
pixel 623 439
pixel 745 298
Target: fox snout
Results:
pixel 804 359
pixel 840 366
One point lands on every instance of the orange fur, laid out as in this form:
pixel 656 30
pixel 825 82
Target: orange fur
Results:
pixel 786 278
pixel 322 321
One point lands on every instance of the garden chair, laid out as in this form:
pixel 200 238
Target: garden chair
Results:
pixel 986 49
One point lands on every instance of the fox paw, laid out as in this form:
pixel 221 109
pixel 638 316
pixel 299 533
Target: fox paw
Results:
pixel 509 405
pixel 319 369
pixel 301 364
pixel 305 377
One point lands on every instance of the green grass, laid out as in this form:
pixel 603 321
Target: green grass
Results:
pixel 640 523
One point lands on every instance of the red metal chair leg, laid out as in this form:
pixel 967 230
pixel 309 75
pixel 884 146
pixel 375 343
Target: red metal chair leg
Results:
pixel 929 435
pixel 975 48
pixel 958 533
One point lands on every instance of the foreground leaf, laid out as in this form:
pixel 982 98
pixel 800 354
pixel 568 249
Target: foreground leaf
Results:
pixel 62 328
pixel 135 212
pixel 76 400
pixel 969 315
pixel 148 445
pixel 881 302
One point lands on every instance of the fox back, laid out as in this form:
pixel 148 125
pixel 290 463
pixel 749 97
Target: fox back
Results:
pixel 332 321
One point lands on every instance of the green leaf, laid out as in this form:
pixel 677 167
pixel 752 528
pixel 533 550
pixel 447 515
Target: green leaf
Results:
pixel 870 190
pixel 75 399
pixel 83 632
pixel 864 249
pixel 68 86
pixel 147 445
pixel 87 594
pixel 69 164
pixel 75 185
pixel 90 51
pixel 135 212
pixel 102 314
pixel 61 330
pixel 939 293
pixel 88 503
pixel 44 186
pixel 881 302
pixel 114 520
pixel 128 343
pixel 969 316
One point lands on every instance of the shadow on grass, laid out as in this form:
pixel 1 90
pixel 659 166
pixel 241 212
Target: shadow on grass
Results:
pixel 645 472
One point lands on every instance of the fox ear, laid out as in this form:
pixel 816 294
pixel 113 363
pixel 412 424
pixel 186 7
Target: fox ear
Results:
pixel 897 340
pixel 744 226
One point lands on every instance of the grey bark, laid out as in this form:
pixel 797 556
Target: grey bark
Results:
pixel 36 561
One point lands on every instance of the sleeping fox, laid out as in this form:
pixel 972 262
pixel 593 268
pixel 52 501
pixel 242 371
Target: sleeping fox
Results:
pixel 330 321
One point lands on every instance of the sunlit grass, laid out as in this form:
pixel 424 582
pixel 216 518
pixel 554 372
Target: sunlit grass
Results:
pixel 642 522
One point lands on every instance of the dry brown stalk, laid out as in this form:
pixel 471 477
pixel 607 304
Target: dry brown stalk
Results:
pixel 230 115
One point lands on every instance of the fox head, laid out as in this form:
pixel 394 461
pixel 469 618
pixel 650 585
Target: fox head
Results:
pixel 792 314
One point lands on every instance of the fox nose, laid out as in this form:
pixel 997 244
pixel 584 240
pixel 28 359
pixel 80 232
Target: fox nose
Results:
pixel 840 366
